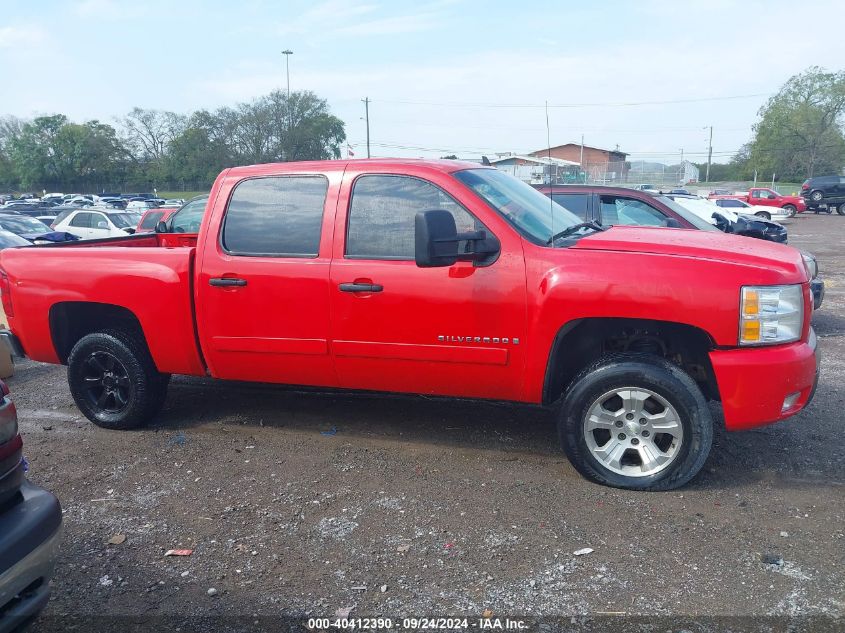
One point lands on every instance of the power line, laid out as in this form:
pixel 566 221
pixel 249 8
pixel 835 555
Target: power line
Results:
pixel 621 104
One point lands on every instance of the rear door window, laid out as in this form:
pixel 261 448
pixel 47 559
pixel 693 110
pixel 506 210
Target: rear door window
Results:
pixel 577 203
pixel 278 216
pixel 82 220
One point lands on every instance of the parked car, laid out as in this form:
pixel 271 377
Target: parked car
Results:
pixel 680 192
pixel 9 239
pixel 436 277
pixel 30 526
pixel 152 217
pixel 825 193
pixel 32 230
pixel 646 187
pixel 618 206
pixel 90 224
pixel 731 222
pixel 188 218
pixel 741 206
pixel 763 196
pixel 141 206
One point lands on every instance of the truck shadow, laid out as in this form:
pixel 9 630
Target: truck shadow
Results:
pixel 795 452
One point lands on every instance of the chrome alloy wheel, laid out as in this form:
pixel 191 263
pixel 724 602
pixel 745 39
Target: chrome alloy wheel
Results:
pixel 633 431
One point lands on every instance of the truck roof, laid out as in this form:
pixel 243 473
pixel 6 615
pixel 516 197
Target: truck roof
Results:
pixel 446 166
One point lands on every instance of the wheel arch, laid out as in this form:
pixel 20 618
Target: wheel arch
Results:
pixel 581 342
pixel 72 320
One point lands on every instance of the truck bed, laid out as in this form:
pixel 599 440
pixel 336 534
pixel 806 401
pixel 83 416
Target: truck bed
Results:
pixel 148 276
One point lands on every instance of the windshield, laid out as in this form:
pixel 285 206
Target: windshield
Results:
pixel 705 210
pixel 534 215
pixel 689 216
pixel 22 224
pixel 124 220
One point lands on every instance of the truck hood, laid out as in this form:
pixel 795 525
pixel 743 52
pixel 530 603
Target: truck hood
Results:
pixel 698 244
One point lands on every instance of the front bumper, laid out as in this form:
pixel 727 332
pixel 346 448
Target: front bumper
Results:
pixel 29 537
pixel 754 382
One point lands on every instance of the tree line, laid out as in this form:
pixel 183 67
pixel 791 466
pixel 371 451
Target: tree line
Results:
pixel 799 133
pixel 165 150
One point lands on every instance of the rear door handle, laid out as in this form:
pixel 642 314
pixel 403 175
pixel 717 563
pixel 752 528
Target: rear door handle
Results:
pixel 356 287
pixel 226 281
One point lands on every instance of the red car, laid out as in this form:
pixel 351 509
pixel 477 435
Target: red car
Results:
pixel 765 197
pixel 433 277
pixel 152 217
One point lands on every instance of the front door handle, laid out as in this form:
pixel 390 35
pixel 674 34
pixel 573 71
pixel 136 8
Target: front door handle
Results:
pixel 358 287
pixel 226 281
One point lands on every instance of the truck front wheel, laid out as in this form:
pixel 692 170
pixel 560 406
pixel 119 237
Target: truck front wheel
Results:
pixel 790 209
pixel 635 421
pixel 114 381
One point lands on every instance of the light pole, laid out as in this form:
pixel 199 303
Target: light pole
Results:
pixel 287 53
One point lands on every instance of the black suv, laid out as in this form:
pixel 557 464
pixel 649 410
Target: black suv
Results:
pixel 825 192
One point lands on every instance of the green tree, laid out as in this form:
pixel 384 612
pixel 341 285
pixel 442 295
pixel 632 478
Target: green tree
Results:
pixel 799 133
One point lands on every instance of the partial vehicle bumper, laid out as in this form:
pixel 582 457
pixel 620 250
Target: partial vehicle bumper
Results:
pixel 13 343
pixel 29 537
pixel 762 385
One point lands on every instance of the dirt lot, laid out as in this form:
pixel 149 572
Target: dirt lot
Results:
pixel 424 507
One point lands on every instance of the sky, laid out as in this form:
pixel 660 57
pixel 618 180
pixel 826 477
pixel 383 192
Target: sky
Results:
pixel 444 76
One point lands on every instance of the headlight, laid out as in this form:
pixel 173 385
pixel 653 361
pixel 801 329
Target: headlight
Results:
pixel 811 264
pixel 770 314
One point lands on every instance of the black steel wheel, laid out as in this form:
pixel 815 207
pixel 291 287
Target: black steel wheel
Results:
pixel 107 384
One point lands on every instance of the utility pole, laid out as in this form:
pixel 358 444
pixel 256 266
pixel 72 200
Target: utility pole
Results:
pixel 709 155
pixel 681 169
pixel 366 101
pixel 287 53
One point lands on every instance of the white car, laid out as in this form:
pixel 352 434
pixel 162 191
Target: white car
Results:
pixel 141 206
pixel 740 206
pixel 173 202
pixel 91 224
pixel 705 209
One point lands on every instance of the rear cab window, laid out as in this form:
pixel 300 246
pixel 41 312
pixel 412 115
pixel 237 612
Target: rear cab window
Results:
pixel 275 216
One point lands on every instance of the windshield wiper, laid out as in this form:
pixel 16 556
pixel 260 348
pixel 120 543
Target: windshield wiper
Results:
pixel 592 224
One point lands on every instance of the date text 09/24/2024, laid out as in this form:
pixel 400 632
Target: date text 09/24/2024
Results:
pixel 418 624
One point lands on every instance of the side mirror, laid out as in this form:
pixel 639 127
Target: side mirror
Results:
pixel 672 223
pixel 721 222
pixel 102 224
pixel 437 239
pixel 161 226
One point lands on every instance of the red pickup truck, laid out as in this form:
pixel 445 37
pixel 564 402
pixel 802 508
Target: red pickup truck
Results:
pixel 433 277
pixel 765 197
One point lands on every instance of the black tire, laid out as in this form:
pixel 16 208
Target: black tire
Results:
pixel 764 214
pixel 790 209
pixel 841 209
pixel 114 381
pixel 647 372
pixel 817 196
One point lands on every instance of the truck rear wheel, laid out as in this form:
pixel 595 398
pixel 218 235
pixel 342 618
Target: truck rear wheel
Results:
pixel 635 421
pixel 114 381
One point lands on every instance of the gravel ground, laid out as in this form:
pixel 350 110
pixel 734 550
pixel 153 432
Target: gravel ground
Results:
pixel 424 507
